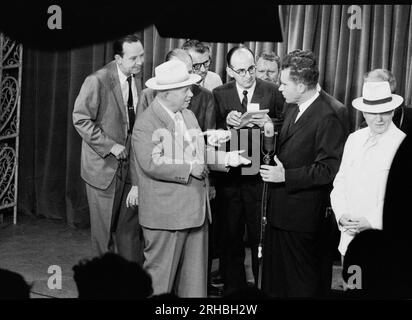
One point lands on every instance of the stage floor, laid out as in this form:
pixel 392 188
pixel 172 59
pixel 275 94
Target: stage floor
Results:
pixel 35 244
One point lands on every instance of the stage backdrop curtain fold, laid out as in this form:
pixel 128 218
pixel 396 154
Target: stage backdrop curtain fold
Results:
pixel 49 171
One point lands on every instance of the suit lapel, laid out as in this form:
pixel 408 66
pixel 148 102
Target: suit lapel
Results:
pixel 233 97
pixel 115 86
pixel 258 94
pixel 301 122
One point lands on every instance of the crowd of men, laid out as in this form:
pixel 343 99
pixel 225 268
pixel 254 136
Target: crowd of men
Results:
pixel 162 195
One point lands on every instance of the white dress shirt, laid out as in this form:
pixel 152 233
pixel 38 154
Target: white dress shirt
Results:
pixel 124 85
pixel 306 104
pixel 250 92
pixel 360 184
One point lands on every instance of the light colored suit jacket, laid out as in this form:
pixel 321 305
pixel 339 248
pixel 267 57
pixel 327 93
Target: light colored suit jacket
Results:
pixel 360 184
pixel 99 116
pixel 169 197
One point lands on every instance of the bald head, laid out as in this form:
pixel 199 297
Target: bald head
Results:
pixel 182 55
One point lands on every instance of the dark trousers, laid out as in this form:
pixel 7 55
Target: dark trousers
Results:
pixel 239 209
pixel 291 264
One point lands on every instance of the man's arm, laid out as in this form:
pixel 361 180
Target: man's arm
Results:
pixel 329 142
pixel 86 108
pixel 153 152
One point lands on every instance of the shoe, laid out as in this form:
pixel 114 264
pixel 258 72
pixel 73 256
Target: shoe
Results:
pixel 216 279
pixel 214 292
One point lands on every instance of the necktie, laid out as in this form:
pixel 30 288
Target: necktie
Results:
pixel 244 101
pixel 293 118
pixel 130 108
pixel 180 133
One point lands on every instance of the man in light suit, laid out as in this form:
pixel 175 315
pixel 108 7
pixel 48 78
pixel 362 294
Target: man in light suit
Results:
pixel 241 193
pixel 103 115
pixel 310 150
pixel 172 167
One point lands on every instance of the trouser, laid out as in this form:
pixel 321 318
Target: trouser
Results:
pixel 177 260
pixel 240 208
pixel 291 264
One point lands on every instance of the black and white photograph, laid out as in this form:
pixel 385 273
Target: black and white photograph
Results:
pixel 215 150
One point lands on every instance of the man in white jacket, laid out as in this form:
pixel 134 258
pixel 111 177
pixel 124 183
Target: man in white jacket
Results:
pixel 359 187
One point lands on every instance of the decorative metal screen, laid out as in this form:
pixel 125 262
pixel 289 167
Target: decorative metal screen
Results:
pixel 11 57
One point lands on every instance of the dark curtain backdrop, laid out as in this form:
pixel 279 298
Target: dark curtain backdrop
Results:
pixel 49 166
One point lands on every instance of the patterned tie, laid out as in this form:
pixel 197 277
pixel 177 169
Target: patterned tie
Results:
pixel 244 101
pixel 130 108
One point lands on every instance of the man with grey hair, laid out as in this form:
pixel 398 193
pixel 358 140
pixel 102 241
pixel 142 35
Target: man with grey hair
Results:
pixel 268 66
pixel 402 117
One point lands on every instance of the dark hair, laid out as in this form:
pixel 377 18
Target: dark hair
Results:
pixel 303 67
pixel 384 75
pixel 118 44
pixel 233 50
pixel 270 56
pixel 111 277
pixel 195 45
pixel 13 286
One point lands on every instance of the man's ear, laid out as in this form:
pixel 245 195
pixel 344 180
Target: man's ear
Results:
pixel 229 72
pixel 118 58
pixel 301 87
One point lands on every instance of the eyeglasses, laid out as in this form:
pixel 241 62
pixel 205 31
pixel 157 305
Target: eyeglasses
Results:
pixel 198 66
pixel 242 72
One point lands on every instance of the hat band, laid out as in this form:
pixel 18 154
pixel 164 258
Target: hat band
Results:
pixel 373 102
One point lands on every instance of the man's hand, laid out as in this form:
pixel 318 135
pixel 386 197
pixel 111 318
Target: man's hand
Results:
pixel 132 198
pixel 362 224
pixel 348 224
pixel 217 137
pixel 199 171
pixel 233 118
pixel 212 192
pixel 119 151
pixel 260 120
pixel 234 159
pixel 274 174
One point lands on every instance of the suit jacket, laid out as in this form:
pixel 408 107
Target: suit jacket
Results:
pixel 227 99
pixel 311 151
pixel 169 197
pixel 99 116
pixel 201 104
pixel 340 109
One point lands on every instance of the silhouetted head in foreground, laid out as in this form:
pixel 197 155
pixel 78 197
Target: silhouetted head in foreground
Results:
pixel 13 286
pixel 111 277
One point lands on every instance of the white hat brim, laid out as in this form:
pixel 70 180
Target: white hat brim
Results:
pixel 378 108
pixel 152 84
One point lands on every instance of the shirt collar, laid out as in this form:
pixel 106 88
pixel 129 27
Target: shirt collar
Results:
pixel 250 91
pixel 169 112
pixel 122 76
pixel 307 103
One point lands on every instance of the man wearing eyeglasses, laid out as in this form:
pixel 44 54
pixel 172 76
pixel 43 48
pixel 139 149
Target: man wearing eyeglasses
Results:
pixel 242 193
pixel 201 58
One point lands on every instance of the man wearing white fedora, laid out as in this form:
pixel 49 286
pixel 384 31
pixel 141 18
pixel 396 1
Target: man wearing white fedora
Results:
pixel 359 187
pixel 172 165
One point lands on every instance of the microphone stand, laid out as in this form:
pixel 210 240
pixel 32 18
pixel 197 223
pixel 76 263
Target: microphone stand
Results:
pixel 263 220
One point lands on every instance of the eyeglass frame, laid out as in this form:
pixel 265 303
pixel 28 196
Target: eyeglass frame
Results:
pixel 208 61
pixel 240 71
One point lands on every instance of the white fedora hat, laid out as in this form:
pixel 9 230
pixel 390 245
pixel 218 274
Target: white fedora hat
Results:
pixel 171 75
pixel 377 98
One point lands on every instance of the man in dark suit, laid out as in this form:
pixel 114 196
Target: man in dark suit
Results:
pixel 310 149
pixel 240 190
pixel 103 115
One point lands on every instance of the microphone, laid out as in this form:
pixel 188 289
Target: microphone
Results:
pixel 268 138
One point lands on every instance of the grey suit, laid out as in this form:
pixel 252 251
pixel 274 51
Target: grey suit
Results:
pixel 174 206
pixel 100 118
